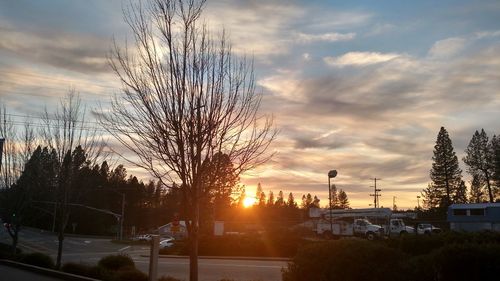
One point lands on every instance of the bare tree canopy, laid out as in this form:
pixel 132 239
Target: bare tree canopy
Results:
pixel 185 99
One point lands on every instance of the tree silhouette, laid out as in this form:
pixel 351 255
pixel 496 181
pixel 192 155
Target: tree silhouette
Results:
pixel 445 173
pixel 185 98
pixel 479 159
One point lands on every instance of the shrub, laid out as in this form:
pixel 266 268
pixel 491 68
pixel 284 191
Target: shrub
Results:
pixel 116 262
pixel 38 259
pixel 76 268
pixel 347 260
pixel 467 262
pixel 168 278
pixel 130 274
pixel 6 251
pixel 98 272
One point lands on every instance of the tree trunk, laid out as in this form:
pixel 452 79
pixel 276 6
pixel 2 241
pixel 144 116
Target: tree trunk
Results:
pixel 490 193
pixel 193 256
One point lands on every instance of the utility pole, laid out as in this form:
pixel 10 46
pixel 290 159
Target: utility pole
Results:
pixel 376 193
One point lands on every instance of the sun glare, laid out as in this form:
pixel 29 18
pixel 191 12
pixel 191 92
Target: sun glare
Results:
pixel 248 202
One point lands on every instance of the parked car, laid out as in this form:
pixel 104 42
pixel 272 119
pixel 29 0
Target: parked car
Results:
pixel 166 243
pixel 143 237
pixel 427 228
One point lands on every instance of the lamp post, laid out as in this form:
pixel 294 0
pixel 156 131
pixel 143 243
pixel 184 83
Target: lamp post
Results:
pixel 418 202
pixel 331 174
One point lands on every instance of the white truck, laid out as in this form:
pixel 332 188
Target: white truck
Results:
pixel 427 229
pixel 356 222
pixel 346 227
pixel 397 227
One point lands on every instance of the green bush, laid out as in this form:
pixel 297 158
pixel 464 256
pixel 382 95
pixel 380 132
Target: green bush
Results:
pixel 130 274
pixel 38 259
pixel 75 268
pixel 347 260
pixel 116 262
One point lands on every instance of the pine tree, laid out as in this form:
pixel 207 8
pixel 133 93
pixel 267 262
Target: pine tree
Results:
pixel 432 197
pixel 260 195
pixel 291 201
pixel 343 200
pixel 280 201
pixel 446 174
pixel 460 195
pixel 306 201
pixel 270 199
pixel 478 158
pixel 315 202
pixel 476 194
pixel 495 151
pixel 335 197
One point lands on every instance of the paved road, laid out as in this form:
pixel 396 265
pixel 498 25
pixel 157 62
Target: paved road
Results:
pixel 90 250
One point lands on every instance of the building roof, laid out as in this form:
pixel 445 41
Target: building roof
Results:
pixel 474 206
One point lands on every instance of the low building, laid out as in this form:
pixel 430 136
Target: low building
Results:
pixel 177 230
pixel 474 217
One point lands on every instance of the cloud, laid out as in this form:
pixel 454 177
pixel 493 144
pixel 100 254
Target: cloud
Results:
pixel 447 47
pixel 77 52
pixel 326 37
pixel 360 59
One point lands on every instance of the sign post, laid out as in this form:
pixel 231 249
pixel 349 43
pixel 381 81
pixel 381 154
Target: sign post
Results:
pixel 153 257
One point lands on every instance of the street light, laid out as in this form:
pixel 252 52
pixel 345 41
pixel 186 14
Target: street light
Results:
pixel 331 174
pixel 418 202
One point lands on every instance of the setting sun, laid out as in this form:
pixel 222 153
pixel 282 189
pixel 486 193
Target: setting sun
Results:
pixel 248 202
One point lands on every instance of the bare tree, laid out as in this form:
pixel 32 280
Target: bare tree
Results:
pixel 16 151
pixel 185 99
pixel 65 132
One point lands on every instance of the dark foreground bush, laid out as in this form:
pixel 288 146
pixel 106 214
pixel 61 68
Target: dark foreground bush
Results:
pixel 168 278
pixel 131 274
pixel 38 259
pixel 6 251
pixel 116 262
pixel 465 262
pixel 347 260
pixel 76 268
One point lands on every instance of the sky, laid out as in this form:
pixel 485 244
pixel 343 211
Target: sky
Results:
pixel 361 87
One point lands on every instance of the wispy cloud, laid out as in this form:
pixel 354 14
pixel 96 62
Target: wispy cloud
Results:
pixel 360 59
pixel 326 37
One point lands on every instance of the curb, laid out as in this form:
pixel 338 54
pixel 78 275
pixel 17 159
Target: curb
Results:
pixel 222 258
pixel 46 271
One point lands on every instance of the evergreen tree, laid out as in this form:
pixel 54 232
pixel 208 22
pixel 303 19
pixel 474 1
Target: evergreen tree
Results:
pixel 291 201
pixel 432 197
pixel 270 199
pixel 478 158
pixel 280 201
pixel 446 174
pixel 495 151
pixel 476 194
pixel 307 201
pixel 461 195
pixel 343 200
pixel 260 195
pixel 315 202
pixel 335 197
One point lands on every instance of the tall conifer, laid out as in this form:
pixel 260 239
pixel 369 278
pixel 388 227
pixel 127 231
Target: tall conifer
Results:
pixel 479 159
pixel 445 173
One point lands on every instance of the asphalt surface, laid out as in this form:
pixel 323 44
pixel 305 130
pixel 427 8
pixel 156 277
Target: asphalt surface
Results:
pixel 90 250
